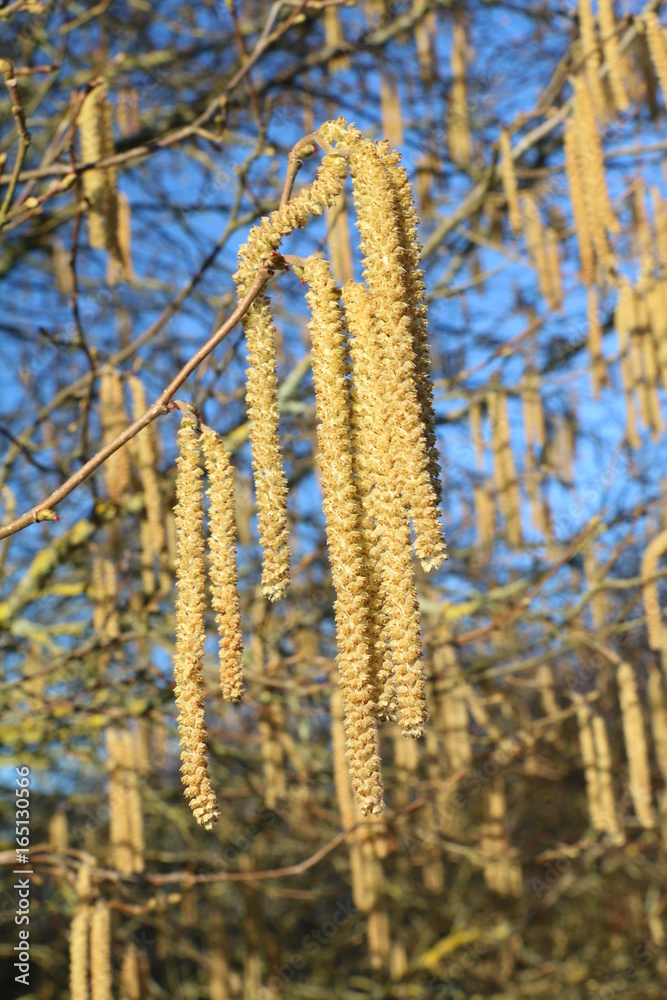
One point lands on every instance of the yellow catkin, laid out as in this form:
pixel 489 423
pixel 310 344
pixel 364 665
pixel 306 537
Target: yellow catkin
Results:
pixel 579 212
pixel 119 819
pixel 78 938
pixel 379 938
pixel 338 240
pixel 383 256
pixel 273 757
pixel 135 815
pixel 116 469
pixel 104 591
pixel 554 278
pixel 624 322
pixel 58 833
pixel 222 552
pixel 510 187
pixel 504 467
pixel 261 385
pixel 658 709
pixel 371 418
pixel 591 55
pixel 340 504
pixel 100 952
pixel 190 632
pixel 124 257
pixel 415 288
pixel 390 108
pixel 131 973
pixel 425 34
pixel 650 590
pixel 587 748
pixel 613 59
pixel 145 450
pixel 649 362
pixel 658 48
pixel 333 36
pixel 537 241
pixel 99 186
pixel 459 137
pixel 635 745
pixel 62 271
pixel 598 369
pixel 600 216
pixel 502 873
pixel 660 219
pixel 482 494
pixel 607 808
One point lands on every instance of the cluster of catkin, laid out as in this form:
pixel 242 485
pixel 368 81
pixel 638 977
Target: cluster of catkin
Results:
pixel 90 944
pixel 191 600
pixel 376 437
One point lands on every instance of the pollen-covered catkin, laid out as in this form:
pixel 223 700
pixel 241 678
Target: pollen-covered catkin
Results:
pixel 341 510
pixel 408 235
pixel 636 748
pixel 657 47
pixel 650 590
pixel 612 55
pixel 78 937
pixel 99 186
pixel 591 55
pixel 222 553
pixel 100 952
pixel 508 175
pixel 373 447
pixel 383 271
pixel 190 632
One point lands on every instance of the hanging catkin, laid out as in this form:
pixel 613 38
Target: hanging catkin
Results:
pixel 613 59
pixel 190 633
pixel 650 590
pixel 509 180
pixel 577 200
pixel 371 416
pixel 114 421
pixel 588 756
pixel 459 138
pixel 273 757
pixel 340 503
pixel 503 463
pixel 658 48
pixel 588 150
pixel 635 745
pixel 598 368
pixel 502 873
pixel 624 321
pixel 99 186
pixel 222 553
pixel 591 55
pixel 262 383
pixel 607 807
pixel 415 288
pixel 100 952
pixel 78 937
pixel 383 259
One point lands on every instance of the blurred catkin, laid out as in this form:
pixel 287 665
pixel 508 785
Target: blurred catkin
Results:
pixel 509 180
pixel 613 58
pixel 591 55
pixel 78 940
pixel 100 952
pixel 657 47
pixel 577 201
pixel 114 420
pixel 650 589
pixel 636 747
pixel 99 186
pixel 190 632
pixel 222 553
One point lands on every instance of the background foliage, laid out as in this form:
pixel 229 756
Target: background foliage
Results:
pixel 499 869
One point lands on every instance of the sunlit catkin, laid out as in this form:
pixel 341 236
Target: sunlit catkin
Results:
pixel 145 450
pixel 78 937
pixel 190 632
pixel 623 321
pixel 341 510
pixel 588 150
pixel 222 554
pixel 372 425
pixel 113 419
pixel 603 764
pixel 598 369
pixel 587 748
pixel 100 952
pixel 613 59
pixel 503 464
pixel 650 590
pixel 262 383
pixel 658 48
pixel 408 234
pixel 580 215
pixel 636 748
pixel 383 271
pixel 591 55
pixel 459 137
pixel 510 186
pixel 99 186
pixel 502 873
